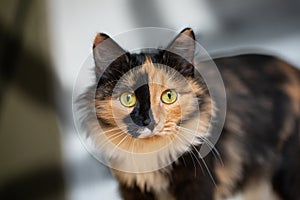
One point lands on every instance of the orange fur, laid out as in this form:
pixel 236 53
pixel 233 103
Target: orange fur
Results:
pixel 166 115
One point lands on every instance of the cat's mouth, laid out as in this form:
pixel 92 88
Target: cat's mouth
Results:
pixel 145 132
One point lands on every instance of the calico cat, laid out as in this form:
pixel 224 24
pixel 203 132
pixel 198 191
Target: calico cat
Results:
pixel 152 100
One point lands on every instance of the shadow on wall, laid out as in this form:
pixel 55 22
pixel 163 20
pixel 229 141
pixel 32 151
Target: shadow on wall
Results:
pixel 29 138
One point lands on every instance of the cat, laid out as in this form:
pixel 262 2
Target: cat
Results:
pixel 152 100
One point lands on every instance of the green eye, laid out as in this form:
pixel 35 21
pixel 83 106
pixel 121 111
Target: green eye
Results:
pixel 128 99
pixel 169 96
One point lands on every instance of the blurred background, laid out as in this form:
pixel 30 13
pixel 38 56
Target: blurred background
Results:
pixel 44 43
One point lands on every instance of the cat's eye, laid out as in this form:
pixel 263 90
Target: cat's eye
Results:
pixel 128 99
pixel 169 96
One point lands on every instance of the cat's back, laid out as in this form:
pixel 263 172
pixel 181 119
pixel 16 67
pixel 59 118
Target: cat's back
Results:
pixel 254 69
pixel 260 78
pixel 263 101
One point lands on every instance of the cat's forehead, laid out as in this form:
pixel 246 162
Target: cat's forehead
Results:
pixel 156 75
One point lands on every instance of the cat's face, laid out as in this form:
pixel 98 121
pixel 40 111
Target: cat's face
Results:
pixel 152 99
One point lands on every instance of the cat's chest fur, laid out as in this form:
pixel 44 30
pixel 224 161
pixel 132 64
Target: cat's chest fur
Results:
pixel 157 182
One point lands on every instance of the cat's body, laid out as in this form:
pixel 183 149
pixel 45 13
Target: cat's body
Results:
pixel 259 145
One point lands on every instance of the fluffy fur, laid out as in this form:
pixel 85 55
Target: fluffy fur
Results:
pixel 259 145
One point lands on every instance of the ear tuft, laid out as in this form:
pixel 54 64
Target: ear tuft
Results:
pixel 100 37
pixel 105 51
pixel 188 32
pixel 184 44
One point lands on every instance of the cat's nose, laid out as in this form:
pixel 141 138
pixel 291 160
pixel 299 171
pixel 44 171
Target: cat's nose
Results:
pixel 149 124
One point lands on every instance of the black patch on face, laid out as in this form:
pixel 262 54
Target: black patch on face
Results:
pixel 112 74
pixel 172 60
pixel 128 61
pixel 141 116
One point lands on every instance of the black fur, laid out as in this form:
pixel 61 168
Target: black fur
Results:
pixel 141 116
pixel 261 126
pixel 257 104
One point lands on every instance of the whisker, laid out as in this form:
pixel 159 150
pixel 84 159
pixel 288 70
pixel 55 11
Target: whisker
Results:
pixel 113 129
pixel 203 161
pixel 190 131
pixel 209 173
pixel 207 142
pixel 132 152
pixel 112 138
pixel 193 154
pixel 173 145
pixel 213 149
pixel 115 147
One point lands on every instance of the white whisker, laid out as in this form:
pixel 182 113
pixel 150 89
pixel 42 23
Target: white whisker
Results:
pixel 113 129
pixel 209 173
pixel 191 152
pixel 132 152
pixel 112 138
pixel 206 141
pixel 115 147
pixel 203 161
pixel 213 149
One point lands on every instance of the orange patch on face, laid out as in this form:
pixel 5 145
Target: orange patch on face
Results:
pixel 167 116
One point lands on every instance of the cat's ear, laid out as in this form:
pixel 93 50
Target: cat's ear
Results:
pixel 184 44
pixel 105 51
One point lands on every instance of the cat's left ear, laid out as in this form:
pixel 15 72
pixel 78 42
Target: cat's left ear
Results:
pixel 184 44
pixel 105 51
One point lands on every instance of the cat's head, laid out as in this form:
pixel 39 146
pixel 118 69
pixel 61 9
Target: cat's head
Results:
pixel 153 98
